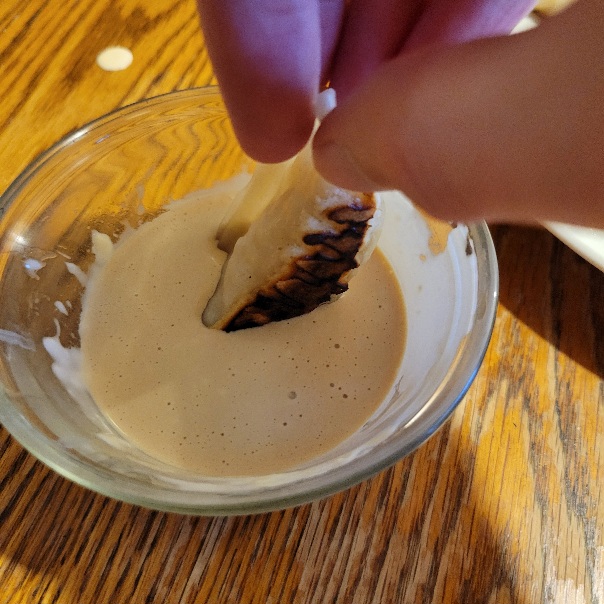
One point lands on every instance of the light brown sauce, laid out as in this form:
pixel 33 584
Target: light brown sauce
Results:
pixel 250 402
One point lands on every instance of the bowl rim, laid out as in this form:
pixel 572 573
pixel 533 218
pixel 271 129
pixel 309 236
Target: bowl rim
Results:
pixel 177 500
pixel 73 135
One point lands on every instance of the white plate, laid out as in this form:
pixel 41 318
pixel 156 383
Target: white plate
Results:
pixel 587 242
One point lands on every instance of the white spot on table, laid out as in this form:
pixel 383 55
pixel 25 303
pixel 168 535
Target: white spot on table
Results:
pixel 114 58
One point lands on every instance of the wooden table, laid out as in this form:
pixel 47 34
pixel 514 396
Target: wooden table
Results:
pixel 502 506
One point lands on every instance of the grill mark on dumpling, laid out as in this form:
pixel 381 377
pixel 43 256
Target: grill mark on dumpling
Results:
pixel 354 213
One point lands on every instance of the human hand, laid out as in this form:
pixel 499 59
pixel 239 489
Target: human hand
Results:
pixel 503 129
pixel 271 56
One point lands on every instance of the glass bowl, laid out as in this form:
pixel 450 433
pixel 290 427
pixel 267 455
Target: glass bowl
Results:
pixel 124 168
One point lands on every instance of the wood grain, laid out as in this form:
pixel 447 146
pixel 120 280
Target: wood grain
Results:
pixel 502 506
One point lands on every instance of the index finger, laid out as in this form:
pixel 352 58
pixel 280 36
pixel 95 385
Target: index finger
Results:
pixel 267 57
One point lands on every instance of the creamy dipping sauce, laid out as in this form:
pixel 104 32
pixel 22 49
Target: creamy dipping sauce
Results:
pixel 250 402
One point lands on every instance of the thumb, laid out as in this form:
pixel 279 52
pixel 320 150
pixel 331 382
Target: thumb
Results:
pixel 505 129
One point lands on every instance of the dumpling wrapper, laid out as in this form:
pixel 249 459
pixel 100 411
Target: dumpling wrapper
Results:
pixel 294 242
pixel 299 252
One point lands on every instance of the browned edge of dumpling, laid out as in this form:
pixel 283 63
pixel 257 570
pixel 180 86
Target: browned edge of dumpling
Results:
pixel 317 276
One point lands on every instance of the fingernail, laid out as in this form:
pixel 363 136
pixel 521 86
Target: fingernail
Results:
pixel 339 165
